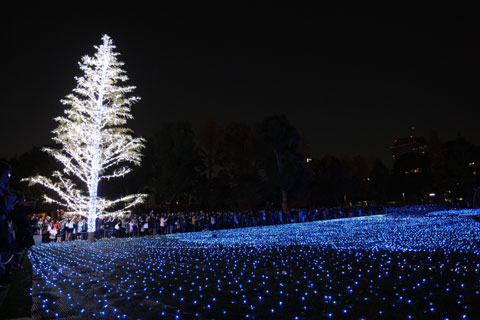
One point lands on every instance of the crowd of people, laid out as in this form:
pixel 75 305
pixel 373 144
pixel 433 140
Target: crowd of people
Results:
pixel 153 223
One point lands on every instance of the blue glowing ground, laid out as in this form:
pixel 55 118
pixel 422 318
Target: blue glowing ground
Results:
pixel 377 267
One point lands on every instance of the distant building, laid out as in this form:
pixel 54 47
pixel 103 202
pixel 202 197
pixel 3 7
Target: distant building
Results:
pixel 408 151
pixel 411 168
pixel 411 144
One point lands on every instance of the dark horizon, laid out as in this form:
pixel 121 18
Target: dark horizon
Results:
pixel 351 80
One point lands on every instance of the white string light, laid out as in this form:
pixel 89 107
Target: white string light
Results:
pixel 94 144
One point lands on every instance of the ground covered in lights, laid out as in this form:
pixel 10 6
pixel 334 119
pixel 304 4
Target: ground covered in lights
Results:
pixel 390 266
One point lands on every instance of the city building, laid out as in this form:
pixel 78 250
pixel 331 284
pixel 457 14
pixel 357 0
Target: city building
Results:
pixel 409 153
pixel 411 144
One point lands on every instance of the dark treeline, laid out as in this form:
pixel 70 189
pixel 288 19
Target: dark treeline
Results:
pixel 238 166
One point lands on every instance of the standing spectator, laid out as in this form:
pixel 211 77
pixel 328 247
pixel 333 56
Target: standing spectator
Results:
pixel 156 224
pixel 123 227
pixel 135 226
pixel 69 229
pixel 23 229
pixel 107 223
pixel 6 230
pixel 172 222
pixel 85 229
pixel 80 229
pixel 178 225
pixel 52 232
pixel 145 226
pixel 117 228
pixel 212 221
pixel 194 222
pixel 163 222
pixel 130 228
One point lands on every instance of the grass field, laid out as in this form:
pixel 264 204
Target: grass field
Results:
pixel 390 267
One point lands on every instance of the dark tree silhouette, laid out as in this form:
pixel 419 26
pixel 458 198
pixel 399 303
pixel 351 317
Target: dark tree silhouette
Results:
pixel 176 164
pixel 283 140
pixel 242 164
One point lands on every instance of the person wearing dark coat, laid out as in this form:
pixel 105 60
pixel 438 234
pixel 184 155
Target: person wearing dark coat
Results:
pixel 7 201
pixel 23 229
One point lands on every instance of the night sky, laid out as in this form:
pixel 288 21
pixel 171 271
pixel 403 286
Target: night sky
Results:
pixel 350 79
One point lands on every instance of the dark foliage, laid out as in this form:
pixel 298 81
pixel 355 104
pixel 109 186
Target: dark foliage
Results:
pixel 243 167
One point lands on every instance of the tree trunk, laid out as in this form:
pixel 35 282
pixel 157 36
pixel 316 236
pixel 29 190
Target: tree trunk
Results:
pixel 91 237
pixel 280 172
pixel 279 162
pixel 284 200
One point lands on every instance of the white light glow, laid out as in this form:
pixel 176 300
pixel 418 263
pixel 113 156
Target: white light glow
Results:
pixel 94 144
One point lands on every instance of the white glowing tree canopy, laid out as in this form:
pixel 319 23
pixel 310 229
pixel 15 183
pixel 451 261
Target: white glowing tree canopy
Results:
pixel 95 145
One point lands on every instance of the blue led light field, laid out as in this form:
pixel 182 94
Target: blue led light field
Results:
pixel 377 267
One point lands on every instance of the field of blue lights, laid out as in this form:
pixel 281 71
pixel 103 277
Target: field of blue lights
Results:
pixel 376 267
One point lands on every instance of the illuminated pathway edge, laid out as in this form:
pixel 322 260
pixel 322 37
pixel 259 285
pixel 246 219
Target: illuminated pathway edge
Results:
pixel 389 266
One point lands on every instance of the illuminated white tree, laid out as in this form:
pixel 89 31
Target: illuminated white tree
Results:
pixel 95 145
